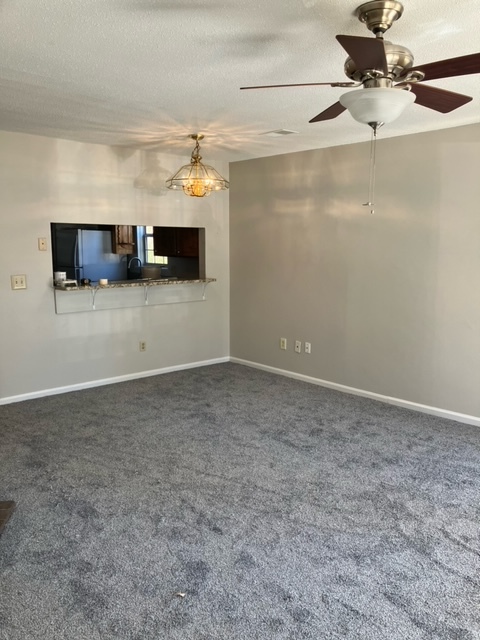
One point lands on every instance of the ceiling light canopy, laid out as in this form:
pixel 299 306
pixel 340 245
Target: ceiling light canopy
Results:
pixel 197 179
pixel 376 105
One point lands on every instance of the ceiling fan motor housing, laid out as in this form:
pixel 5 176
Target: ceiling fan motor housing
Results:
pixel 399 60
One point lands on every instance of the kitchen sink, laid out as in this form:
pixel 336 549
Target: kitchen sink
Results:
pixel 142 280
pixel 132 281
pixel 163 279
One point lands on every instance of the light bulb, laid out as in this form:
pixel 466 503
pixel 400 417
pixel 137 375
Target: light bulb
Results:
pixel 198 188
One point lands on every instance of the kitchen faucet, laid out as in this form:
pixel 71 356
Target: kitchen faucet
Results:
pixel 132 259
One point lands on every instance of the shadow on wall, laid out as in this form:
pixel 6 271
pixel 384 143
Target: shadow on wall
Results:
pixel 152 177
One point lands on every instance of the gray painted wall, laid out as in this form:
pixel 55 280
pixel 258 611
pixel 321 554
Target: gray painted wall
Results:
pixel 45 180
pixel 390 301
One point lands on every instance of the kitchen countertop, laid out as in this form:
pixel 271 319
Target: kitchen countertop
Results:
pixel 126 284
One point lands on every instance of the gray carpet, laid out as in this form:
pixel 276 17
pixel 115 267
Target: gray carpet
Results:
pixel 230 503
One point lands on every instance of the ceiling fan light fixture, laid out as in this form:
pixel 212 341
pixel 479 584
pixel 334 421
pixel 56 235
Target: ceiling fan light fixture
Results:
pixel 197 179
pixel 376 104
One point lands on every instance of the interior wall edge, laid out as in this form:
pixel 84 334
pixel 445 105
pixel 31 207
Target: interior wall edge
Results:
pixel 399 402
pixel 100 383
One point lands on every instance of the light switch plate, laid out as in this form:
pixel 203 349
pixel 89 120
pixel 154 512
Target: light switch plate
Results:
pixel 19 282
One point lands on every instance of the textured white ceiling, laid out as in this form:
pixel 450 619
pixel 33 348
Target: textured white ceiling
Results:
pixel 149 72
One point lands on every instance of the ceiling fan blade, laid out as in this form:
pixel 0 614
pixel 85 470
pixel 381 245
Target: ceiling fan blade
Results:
pixel 438 99
pixel 332 112
pixel 462 66
pixel 367 53
pixel 304 84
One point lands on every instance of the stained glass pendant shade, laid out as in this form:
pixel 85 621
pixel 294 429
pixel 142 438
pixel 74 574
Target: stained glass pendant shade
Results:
pixel 197 179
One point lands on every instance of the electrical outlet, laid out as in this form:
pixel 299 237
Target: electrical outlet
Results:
pixel 283 343
pixel 298 346
pixel 308 347
pixel 42 244
pixel 142 345
pixel 19 282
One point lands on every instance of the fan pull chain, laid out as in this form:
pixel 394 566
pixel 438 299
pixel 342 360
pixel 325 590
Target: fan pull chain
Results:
pixel 371 184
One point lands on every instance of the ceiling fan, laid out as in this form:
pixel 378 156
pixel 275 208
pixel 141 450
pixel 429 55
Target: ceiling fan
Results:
pixel 387 74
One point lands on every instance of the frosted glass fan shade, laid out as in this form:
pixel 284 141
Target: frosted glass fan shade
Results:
pixel 378 104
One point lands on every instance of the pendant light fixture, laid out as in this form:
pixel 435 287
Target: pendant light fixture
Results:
pixel 197 179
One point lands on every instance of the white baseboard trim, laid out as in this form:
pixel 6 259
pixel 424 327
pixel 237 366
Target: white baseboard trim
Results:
pixel 436 411
pixel 105 381
pixel 423 408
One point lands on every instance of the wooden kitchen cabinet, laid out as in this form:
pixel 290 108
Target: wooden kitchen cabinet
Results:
pixel 181 242
pixel 123 239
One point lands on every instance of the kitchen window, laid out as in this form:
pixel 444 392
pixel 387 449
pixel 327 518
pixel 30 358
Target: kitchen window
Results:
pixel 148 244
